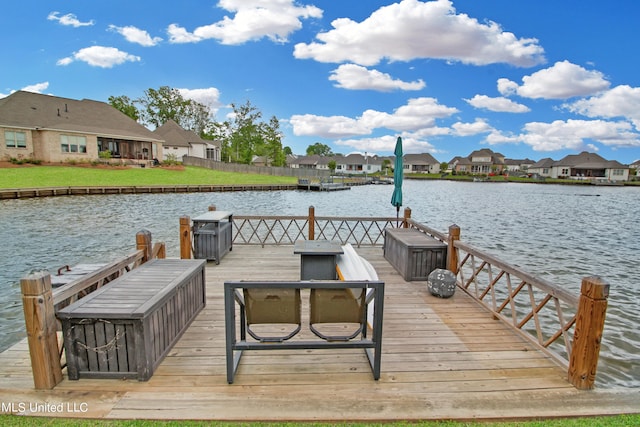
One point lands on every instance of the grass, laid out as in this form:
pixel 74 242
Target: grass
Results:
pixel 609 421
pixel 67 176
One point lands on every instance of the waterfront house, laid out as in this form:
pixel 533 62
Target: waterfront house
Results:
pixel 351 164
pixel 357 164
pixel 482 161
pixel 180 142
pixel 53 129
pixel 589 166
pixel 420 163
pixel 517 165
pixel 314 161
pixel 542 167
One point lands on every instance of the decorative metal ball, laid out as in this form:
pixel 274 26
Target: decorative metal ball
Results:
pixel 441 283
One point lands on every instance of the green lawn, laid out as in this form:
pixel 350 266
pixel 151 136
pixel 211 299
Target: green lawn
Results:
pixel 67 176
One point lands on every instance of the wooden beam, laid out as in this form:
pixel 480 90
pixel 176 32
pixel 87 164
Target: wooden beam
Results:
pixel 40 320
pixel 452 254
pixel 592 310
pixel 185 237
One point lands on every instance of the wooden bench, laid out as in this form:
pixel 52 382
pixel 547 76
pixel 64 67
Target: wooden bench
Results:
pixel 126 328
pixel 234 295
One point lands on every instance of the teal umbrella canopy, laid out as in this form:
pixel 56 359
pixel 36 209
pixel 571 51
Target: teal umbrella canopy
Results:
pixel 396 198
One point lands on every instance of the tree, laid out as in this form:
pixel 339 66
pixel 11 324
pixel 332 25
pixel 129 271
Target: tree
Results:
pixel 125 105
pixel 319 149
pixel 273 143
pixel 332 164
pixel 159 106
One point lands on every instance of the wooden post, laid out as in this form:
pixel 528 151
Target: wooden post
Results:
pixel 452 254
pixel 592 310
pixel 312 223
pixel 40 320
pixel 143 243
pixel 212 208
pixel 185 237
pixel 407 217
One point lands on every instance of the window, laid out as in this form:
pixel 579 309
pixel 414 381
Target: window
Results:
pixel 73 144
pixel 15 139
pixel 618 172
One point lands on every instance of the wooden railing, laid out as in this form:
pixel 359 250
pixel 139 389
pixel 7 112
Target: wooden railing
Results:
pixel 566 326
pixel 40 304
pixel 286 230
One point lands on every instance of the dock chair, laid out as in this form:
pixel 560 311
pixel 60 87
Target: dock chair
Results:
pixel 274 306
pixel 342 307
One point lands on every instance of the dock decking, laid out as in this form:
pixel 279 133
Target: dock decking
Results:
pixel 442 359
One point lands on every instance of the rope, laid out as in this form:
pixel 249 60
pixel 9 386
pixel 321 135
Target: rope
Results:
pixel 110 345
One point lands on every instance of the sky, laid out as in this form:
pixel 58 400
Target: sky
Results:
pixel 527 78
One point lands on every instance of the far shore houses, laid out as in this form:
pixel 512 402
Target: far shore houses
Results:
pixel 53 129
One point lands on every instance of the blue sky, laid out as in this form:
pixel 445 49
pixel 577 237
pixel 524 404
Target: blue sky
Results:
pixel 526 78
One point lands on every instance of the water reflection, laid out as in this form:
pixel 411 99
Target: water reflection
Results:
pixel 560 233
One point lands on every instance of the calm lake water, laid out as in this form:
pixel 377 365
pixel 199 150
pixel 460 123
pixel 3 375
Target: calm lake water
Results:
pixel 560 233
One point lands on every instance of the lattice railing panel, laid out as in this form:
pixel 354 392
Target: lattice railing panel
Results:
pixel 542 312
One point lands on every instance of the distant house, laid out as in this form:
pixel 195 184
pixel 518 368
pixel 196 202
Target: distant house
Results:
pixel 589 166
pixel 309 162
pixel 357 164
pixel 542 167
pixel 180 142
pixel 420 163
pixel 482 161
pixel 53 129
pixel 517 165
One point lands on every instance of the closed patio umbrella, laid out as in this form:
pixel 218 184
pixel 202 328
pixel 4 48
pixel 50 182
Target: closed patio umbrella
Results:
pixel 396 198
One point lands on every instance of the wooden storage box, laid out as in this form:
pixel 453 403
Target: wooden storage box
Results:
pixel 212 235
pixel 126 328
pixel 413 253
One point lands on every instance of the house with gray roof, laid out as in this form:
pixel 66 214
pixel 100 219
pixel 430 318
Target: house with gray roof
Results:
pixel 589 166
pixel 420 163
pixel 482 161
pixel 179 142
pixel 53 129
pixel 542 167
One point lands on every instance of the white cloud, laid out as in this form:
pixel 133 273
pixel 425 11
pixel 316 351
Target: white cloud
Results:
pixel 417 115
pixel 414 29
pixel 69 19
pixel 410 144
pixel 37 88
pixel 499 104
pixel 207 96
pixel 252 20
pixel 621 101
pixel 351 76
pixel 573 134
pixel 468 129
pixel 327 126
pixel 561 81
pixel 136 35
pixel 99 56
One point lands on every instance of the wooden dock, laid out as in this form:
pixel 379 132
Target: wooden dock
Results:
pixel 442 359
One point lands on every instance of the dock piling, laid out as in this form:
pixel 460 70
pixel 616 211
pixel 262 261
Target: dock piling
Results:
pixel 40 320
pixel 592 310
